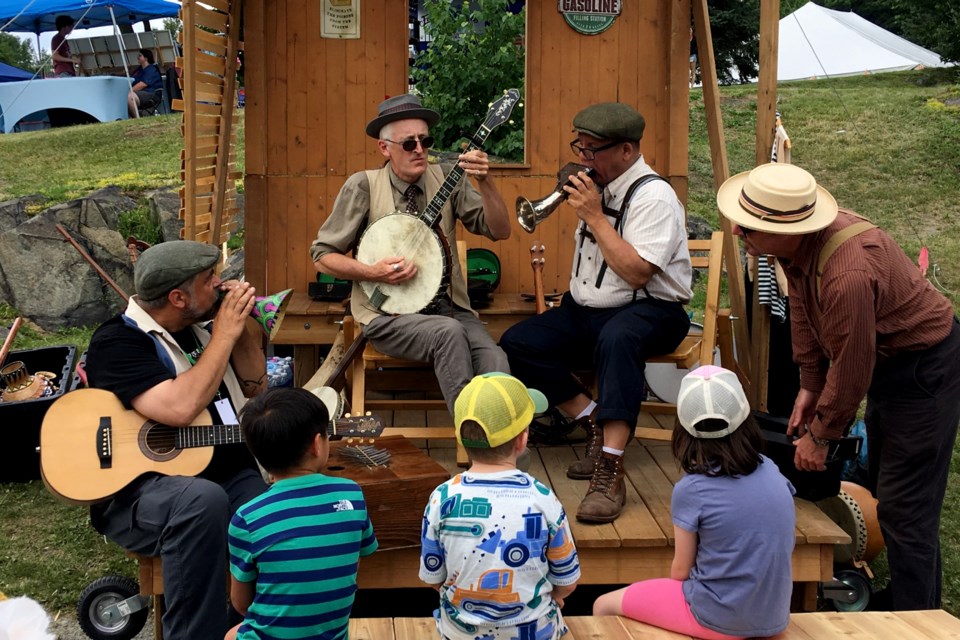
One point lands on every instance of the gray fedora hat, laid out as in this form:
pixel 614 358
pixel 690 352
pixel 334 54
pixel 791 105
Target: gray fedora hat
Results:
pixel 403 107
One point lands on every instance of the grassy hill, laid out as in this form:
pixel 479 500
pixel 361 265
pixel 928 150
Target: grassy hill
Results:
pixel 886 146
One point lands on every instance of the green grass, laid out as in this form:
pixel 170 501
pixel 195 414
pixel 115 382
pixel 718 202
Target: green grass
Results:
pixel 886 146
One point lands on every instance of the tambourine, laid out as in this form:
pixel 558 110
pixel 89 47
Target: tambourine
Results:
pixel 855 511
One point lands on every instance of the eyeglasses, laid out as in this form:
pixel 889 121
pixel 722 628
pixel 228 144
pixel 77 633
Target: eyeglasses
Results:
pixel 590 153
pixel 744 231
pixel 410 144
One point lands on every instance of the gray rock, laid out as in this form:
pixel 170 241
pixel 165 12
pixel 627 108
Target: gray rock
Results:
pixel 14 212
pixel 165 212
pixel 48 281
pixel 698 228
pixel 234 268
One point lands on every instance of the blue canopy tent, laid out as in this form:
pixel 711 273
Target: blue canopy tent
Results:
pixel 9 73
pixel 38 16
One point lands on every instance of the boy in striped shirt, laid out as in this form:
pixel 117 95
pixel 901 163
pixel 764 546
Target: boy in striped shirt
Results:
pixel 294 550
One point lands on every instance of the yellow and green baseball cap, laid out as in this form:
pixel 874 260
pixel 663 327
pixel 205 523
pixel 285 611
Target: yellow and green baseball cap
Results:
pixel 500 404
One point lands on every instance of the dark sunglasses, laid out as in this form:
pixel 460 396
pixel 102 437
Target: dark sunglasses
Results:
pixel 589 153
pixel 410 144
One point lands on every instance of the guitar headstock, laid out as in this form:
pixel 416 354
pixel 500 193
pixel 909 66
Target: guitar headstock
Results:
pixel 368 426
pixel 536 257
pixel 501 109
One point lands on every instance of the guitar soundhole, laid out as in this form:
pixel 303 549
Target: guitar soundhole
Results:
pixel 158 441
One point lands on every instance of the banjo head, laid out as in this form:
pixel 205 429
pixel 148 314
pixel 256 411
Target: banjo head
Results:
pixel 403 234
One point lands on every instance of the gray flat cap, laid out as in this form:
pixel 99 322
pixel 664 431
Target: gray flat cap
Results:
pixel 164 266
pixel 610 120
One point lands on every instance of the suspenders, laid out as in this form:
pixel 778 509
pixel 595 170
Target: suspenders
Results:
pixel 618 225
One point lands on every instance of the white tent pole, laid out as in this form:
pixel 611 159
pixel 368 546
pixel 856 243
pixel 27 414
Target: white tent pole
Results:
pixel 123 54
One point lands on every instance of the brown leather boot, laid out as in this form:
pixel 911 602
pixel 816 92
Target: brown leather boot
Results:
pixel 607 493
pixel 583 468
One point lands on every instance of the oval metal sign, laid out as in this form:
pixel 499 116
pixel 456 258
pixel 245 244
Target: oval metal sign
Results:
pixel 589 17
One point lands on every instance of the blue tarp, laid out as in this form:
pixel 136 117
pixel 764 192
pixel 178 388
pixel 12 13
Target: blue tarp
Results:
pixel 13 74
pixel 39 16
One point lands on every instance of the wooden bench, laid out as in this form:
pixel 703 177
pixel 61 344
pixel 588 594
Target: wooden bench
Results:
pixel 903 625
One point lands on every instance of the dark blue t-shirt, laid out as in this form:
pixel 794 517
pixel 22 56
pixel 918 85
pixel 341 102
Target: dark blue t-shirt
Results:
pixel 150 76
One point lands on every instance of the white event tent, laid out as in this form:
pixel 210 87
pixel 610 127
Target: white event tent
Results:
pixel 816 43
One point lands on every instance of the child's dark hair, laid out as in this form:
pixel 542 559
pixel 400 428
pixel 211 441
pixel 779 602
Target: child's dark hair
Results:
pixel 146 53
pixel 737 454
pixel 279 425
pixel 471 430
pixel 64 21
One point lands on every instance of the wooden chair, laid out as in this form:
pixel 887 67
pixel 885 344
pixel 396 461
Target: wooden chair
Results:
pixel 151 584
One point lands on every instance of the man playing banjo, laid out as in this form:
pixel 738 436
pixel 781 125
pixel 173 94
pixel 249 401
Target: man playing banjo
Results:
pixel 446 333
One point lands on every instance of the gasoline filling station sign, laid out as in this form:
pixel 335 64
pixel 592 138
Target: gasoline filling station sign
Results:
pixel 589 17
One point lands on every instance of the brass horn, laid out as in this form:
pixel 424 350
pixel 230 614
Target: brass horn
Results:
pixel 530 214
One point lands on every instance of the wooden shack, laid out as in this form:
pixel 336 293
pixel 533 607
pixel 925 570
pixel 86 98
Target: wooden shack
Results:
pixel 308 99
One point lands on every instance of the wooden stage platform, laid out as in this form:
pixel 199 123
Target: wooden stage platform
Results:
pixel 639 544
pixel 868 625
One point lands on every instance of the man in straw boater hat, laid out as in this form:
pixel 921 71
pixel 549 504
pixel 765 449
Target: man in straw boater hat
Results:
pixel 631 277
pixel 864 322
pixel 449 334
pixel 162 358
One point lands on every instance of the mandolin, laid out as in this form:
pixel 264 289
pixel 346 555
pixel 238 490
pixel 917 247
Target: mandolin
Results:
pixel 91 447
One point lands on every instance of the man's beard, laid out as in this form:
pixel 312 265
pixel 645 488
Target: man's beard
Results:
pixel 194 313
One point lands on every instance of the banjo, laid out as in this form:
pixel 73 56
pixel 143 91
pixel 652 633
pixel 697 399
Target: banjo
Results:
pixel 415 235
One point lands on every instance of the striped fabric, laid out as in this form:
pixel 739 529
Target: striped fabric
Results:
pixel 300 542
pixel 767 291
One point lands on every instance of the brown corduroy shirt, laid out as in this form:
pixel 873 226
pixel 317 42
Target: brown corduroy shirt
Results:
pixel 874 304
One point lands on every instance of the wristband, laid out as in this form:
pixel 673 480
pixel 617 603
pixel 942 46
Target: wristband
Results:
pixel 820 442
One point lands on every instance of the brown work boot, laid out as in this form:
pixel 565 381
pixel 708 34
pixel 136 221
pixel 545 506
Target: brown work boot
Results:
pixel 583 468
pixel 607 493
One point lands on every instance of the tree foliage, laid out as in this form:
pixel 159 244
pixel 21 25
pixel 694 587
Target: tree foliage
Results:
pixel 475 53
pixel 17 52
pixel 735 29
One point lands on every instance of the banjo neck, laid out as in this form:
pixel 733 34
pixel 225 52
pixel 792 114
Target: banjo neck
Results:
pixel 431 215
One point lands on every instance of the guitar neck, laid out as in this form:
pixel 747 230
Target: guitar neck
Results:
pixel 431 215
pixel 208 435
pixel 217 434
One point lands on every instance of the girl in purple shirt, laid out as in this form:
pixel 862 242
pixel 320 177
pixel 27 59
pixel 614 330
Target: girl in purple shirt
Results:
pixel 733 517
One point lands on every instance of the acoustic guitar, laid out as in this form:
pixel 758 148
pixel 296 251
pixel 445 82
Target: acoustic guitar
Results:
pixel 414 236
pixel 91 447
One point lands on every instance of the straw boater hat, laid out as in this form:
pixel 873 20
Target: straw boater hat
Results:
pixel 402 107
pixel 777 198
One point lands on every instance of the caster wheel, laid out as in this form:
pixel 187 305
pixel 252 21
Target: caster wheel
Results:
pixel 99 595
pixel 861 587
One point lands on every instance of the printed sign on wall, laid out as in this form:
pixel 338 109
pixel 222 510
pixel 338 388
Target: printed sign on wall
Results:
pixel 341 19
pixel 589 17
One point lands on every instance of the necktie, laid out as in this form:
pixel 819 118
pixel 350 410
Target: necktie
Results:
pixel 410 196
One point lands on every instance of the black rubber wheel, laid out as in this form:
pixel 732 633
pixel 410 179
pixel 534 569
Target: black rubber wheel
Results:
pixel 100 594
pixel 859 584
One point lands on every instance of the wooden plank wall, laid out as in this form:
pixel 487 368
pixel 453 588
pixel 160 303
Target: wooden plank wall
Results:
pixel 308 100
pixel 208 199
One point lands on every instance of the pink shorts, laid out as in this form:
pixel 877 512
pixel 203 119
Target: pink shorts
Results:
pixel 660 602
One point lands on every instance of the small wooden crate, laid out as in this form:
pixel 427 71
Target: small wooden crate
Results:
pixel 397 494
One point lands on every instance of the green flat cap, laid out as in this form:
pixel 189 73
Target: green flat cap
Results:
pixel 611 121
pixel 162 267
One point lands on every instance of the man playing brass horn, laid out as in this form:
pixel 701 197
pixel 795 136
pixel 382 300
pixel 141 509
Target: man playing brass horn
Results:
pixel 631 277
pixel 161 358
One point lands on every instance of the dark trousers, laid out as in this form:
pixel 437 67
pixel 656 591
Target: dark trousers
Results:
pixel 913 408
pixel 184 521
pixel 544 350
